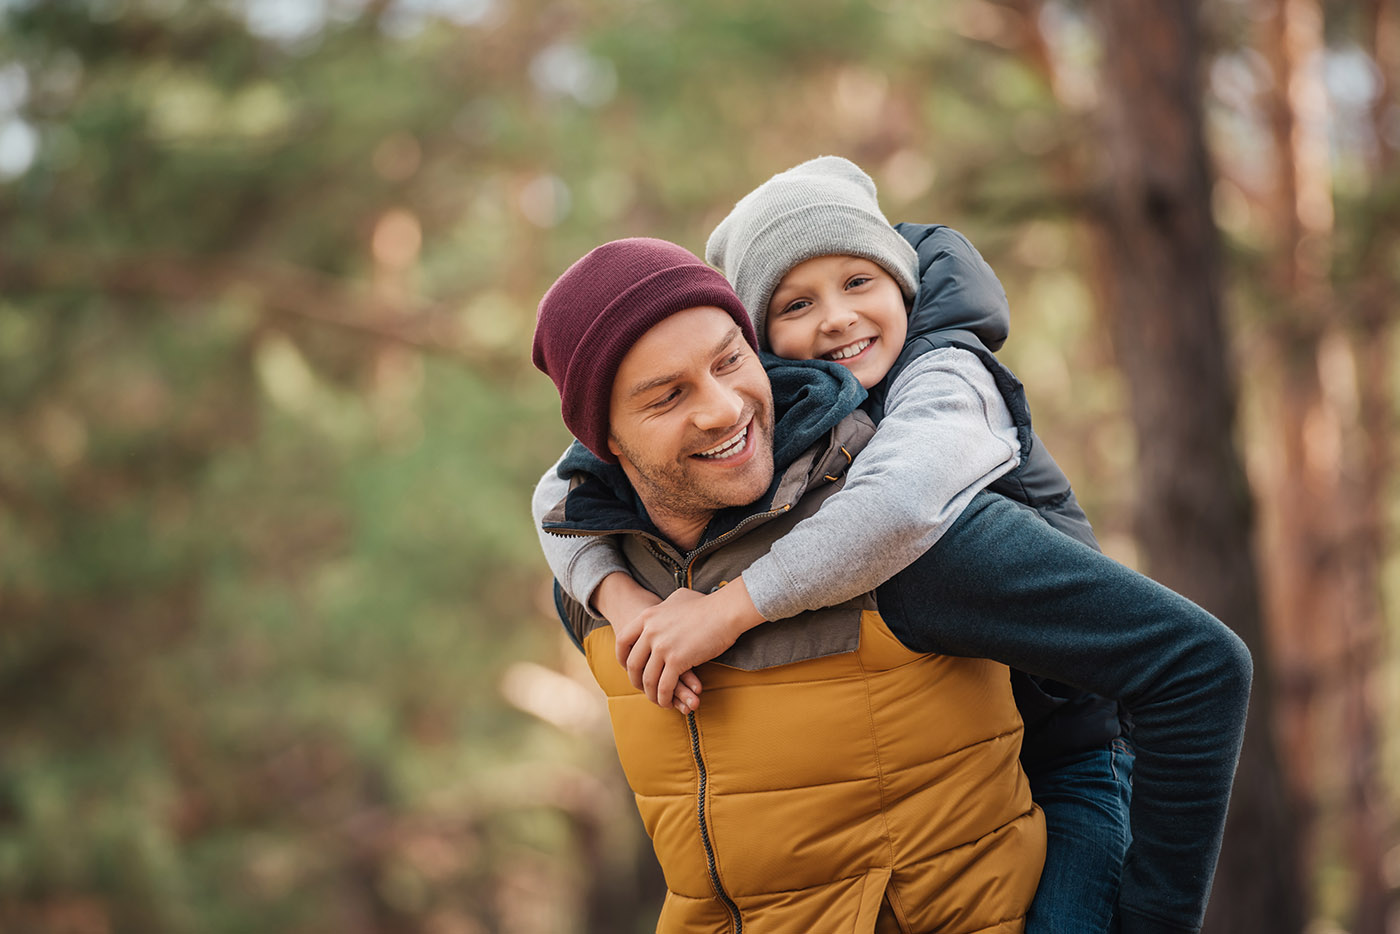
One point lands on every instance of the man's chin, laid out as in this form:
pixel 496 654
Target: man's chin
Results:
pixel 691 488
pixel 748 489
pixel 737 484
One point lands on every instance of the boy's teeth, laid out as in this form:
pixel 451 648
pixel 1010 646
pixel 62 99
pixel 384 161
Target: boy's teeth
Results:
pixel 728 447
pixel 850 351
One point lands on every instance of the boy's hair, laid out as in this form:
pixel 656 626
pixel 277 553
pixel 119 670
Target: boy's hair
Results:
pixel 825 206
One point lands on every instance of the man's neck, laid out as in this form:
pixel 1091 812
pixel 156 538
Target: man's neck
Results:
pixel 682 527
pixel 682 531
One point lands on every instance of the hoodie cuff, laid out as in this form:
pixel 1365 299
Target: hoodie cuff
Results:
pixel 770 590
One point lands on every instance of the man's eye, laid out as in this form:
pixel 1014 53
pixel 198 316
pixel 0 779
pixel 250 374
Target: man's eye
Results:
pixel 666 399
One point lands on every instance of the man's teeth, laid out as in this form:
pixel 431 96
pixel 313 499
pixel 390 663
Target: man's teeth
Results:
pixel 732 446
pixel 850 351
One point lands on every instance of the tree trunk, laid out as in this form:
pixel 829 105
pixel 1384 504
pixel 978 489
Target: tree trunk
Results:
pixel 1324 499
pixel 1160 250
pixel 1301 539
pixel 1373 819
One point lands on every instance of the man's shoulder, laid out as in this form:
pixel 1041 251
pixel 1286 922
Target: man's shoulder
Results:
pixel 827 459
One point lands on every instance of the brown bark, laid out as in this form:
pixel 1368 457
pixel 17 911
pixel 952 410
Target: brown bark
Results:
pixel 1371 820
pixel 1324 498
pixel 1194 519
pixel 1299 492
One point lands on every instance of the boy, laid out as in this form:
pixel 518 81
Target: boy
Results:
pixel 825 276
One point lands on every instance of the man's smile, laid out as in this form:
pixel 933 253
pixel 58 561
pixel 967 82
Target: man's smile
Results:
pixel 731 447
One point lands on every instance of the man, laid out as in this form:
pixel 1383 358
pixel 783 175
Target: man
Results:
pixel 837 776
pixel 832 774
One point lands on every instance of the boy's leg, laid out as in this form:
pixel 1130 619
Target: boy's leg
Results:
pixel 1002 584
pixel 1085 796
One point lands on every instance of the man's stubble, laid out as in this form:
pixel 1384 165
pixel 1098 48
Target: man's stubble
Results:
pixel 687 489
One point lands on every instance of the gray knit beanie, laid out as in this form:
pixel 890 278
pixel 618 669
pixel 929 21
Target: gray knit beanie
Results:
pixel 822 207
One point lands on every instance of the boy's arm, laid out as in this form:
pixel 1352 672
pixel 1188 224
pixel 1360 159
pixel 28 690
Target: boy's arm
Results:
pixel 686 629
pixel 591 571
pixel 946 434
pixel 1004 585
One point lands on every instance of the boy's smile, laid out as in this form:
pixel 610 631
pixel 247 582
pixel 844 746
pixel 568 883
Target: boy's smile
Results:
pixel 850 350
pixel 842 308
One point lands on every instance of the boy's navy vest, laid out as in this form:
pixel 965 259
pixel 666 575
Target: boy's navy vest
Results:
pixel 961 303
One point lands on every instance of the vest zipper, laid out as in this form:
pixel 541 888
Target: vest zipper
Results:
pixel 684 579
pixel 682 572
pixel 728 902
pixel 716 542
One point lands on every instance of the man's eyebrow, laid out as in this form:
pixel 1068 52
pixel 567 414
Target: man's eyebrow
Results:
pixel 658 381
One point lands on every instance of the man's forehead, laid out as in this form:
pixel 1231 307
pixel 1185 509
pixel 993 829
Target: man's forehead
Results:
pixel 674 347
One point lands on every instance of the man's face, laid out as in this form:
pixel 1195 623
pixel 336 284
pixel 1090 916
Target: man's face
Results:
pixel 691 421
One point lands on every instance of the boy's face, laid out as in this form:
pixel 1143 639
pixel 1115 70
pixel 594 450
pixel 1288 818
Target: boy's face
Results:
pixel 840 308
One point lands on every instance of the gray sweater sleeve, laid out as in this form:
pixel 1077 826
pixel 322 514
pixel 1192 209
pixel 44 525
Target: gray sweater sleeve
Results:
pixel 579 562
pixel 946 434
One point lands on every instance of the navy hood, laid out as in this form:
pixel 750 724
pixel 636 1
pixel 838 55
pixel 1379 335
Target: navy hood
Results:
pixel 957 289
pixel 960 302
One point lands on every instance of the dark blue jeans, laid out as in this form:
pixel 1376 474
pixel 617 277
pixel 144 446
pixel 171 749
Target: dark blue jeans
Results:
pixel 1085 797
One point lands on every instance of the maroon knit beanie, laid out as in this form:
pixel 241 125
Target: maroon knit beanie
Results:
pixel 602 305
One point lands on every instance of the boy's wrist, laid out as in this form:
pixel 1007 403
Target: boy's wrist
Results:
pixel 618 596
pixel 737 609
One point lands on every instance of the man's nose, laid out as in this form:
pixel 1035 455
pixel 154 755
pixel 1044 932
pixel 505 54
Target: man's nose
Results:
pixel 717 406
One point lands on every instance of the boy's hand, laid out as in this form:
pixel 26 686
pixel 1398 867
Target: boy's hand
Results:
pixel 685 630
pixel 619 599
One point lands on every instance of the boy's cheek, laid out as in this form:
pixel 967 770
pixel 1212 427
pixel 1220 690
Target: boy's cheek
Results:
pixel 791 343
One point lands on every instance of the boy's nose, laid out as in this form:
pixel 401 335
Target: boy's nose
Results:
pixel 838 318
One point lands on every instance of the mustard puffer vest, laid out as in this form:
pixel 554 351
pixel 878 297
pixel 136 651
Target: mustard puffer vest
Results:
pixel 829 769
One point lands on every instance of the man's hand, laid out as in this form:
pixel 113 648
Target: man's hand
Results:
pixel 620 600
pixel 685 630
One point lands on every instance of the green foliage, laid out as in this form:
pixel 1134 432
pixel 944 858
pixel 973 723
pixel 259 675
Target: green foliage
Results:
pixel 268 427
pixel 262 577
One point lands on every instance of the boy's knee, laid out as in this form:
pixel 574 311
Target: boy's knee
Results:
pixel 1233 663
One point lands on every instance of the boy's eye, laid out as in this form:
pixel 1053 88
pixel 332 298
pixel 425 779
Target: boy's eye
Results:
pixel 857 281
pixel 794 307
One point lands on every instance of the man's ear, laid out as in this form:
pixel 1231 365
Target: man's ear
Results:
pixel 613 445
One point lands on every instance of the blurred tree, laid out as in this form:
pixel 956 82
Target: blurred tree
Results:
pixel 275 644
pixel 1324 495
pixel 1319 343
pixel 1165 298
pixel 257 585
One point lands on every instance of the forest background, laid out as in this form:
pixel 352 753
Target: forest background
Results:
pixel 276 645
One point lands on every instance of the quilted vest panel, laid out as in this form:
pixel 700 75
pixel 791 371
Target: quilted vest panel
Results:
pixel 800 796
